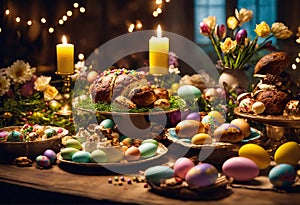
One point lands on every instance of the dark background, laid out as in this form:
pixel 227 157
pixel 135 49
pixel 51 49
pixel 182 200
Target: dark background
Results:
pixel 102 21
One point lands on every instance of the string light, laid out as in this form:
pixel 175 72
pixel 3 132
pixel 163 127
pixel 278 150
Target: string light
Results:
pixel 69 13
pixel 138 24
pixel 155 13
pixel 158 5
pixel 82 9
pixel 51 30
pixel 131 28
pixel 75 5
pixel 0 29
pixel 159 11
pixel 80 56
pixel 43 20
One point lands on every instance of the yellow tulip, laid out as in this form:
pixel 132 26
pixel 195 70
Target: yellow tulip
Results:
pixel 232 22
pixel 280 31
pixel 228 45
pixel 210 21
pixel 262 29
pixel 243 16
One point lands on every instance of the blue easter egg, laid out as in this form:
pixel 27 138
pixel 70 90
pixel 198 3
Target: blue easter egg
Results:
pixel 282 175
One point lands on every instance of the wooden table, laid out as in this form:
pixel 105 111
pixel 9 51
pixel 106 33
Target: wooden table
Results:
pixel 56 185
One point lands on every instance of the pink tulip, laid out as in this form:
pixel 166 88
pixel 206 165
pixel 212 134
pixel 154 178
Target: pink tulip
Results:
pixel 204 29
pixel 221 31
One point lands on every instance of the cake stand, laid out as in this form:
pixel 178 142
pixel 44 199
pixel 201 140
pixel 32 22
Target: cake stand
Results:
pixel 279 128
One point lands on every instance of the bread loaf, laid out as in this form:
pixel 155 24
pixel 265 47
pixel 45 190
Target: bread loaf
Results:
pixel 273 63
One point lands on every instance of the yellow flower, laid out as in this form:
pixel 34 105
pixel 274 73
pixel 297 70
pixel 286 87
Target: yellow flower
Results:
pixel 281 31
pixel 50 93
pixel 232 22
pixel 210 21
pixel 262 29
pixel 42 83
pixel 243 16
pixel 228 45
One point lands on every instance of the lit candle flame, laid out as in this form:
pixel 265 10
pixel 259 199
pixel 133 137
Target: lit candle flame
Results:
pixel 64 39
pixel 158 31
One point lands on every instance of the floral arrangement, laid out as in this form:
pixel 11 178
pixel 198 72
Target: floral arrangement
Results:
pixel 234 51
pixel 27 98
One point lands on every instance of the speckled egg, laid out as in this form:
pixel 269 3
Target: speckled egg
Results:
pixel 188 92
pixel 282 175
pixel 132 154
pixel 182 166
pixel 98 156
pixel 147 150
pixel 201 175
pixel 107 123
pixel 240 169
pixel 3 135
pixel 158 173
pixel 51 155
pixel 68 152
pixel 287 153
pixel 201 139
pixel 82 157
pixel 257 154
pixel 73 143
pixel 43 161
pixel 193 116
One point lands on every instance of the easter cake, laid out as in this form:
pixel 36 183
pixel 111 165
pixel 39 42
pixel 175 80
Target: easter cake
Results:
pixel 131 85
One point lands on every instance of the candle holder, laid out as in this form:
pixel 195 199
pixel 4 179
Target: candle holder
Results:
pixel 66 109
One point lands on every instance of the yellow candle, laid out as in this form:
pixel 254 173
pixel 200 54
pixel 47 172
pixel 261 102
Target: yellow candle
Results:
pixel 159 54
pixel 65 57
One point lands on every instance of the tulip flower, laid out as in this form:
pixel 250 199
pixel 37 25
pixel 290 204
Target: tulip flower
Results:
pixel 220 31
pixel 204 29
pixel 232 22
pixel 241 36
pixel 263 29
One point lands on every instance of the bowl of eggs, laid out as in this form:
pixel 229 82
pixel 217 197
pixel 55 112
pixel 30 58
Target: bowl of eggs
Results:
pixel 29 140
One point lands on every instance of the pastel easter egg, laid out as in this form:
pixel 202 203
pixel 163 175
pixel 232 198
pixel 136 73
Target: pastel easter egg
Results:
pixel 193 116
pixel 98 156
pixel 240 169
pixel 107 123
pixel 210 122
pixel 201 175
pixel 43 161
pixel 51 155
pixel 287 153
pixel 132 154
pixel 3 135
pixel 81 157
pixel 257 154
pixel 218 116
pixel 73 143
pixel 150 141
pixel 68 152
pixel 228 133
pixel 15 136
pixel 189 92
pixel 50 132
pixel 282 175
pixel 158 173
pixel 201 139
pixel 188 128
pixel 147 150
pixel 182 166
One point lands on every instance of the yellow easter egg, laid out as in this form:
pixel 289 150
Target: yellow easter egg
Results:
pixel 257 154
pixel 287 153
pixel 201 138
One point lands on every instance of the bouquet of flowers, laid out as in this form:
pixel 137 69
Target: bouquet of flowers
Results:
pixel 236 50
pixel 27 98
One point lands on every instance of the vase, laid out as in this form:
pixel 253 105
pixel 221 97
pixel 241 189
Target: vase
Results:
pixel 234 78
